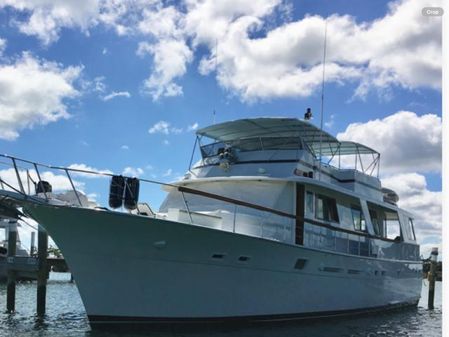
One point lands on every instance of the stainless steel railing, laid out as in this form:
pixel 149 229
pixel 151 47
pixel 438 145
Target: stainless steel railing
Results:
pixel 17 164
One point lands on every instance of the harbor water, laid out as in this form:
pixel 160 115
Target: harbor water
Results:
pixel 66 317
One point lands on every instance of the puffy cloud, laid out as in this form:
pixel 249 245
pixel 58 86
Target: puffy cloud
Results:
pixel 115 94
pixel 192 127
pixel 47 17
pixel 424 204
pixel 407 142
pixel 403 48
pixel 168 173
pixel 2 45
pixel 59 182
pixel 33 92
pixel 84 167
pixel 160 127
pixel 132 171
pixel 164 128
pixel 254 56
pixel 170 58
pixel 208 21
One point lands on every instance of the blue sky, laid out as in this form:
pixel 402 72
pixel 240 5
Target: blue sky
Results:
pixel 158 58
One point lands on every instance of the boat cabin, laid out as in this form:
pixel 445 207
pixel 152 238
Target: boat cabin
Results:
pixel 286 180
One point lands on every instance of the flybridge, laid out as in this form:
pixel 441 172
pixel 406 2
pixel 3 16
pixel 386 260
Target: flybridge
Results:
pixel 277 134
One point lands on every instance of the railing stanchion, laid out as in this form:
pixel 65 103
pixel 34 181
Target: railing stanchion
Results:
pixel 347 246
pixel 335 240
pixel 359 245
pixel 40 180
pixel 73 187
pixel 28 182
pixel 187 207
pixel 19 180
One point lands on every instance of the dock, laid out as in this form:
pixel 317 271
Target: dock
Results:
pixel 34 267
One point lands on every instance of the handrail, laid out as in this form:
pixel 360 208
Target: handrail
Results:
pixel 188 190
pixel 280 213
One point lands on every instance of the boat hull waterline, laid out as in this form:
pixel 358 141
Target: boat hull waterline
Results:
pixel 131 268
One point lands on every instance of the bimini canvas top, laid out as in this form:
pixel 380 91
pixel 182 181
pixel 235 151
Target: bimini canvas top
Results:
pixel 283 127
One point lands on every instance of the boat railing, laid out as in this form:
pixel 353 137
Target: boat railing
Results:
pixel 317 234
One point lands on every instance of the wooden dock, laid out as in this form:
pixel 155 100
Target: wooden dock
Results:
pixel 35 267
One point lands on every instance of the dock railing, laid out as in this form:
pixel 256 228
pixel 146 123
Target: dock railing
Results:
pixel 317 234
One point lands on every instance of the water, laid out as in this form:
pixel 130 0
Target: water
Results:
pixel 66 317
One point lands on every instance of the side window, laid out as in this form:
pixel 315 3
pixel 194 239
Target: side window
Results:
pixel 358 219
pixel 326 208
pixel 411 230
pixel 309 202
pixel 392 226
pixel 375 222
pixel 319 209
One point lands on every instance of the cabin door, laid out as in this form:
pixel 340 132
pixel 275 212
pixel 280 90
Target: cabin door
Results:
pixel 299 233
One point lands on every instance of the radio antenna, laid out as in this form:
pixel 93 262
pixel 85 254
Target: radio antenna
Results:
pixel 322 97
pixel 216 84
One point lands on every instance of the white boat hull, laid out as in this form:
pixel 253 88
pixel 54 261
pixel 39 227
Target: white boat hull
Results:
pixel 135 268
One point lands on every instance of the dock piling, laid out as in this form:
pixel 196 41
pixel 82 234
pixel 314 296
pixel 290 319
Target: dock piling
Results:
pixel 42 246
pixel 432 276
pixel 11 285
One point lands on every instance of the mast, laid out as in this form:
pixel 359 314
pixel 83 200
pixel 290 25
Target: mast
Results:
pixel 322 97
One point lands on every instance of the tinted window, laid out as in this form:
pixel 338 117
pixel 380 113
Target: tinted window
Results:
pixel 411 230
pixel 375 222
pixel 358 219
pixel 326 208
pixel 309 202
pixel 392 226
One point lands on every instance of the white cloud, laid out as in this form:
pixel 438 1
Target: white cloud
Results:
pixel 424 204
pixel 47 17
pixel 124 147
pixel 260 53
pixel 33 92
pixel 116 94
pixel 192 127
pixel 407 142
pixel 166 142
pixel 168 173
pixel 160 127
pixel 164 128
pixel 2 45
pixel 132 171
pixel 59 182
pixel 84 167
pixel 170 58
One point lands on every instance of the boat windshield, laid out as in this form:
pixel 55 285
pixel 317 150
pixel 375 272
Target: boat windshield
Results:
pixel 252 144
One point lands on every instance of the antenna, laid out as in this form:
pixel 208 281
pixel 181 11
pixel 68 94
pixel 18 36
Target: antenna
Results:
pixel 322 96
pixel 216 84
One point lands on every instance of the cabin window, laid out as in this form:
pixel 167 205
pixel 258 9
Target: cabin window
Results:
pixel 392 226
pixel 326 208
pixel 375 222
pixel 358 219
pixel 411 230
pixel 309 202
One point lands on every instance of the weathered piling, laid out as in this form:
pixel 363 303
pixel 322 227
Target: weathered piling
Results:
pixel 11 283
pixel 42 274
pixel 432 276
